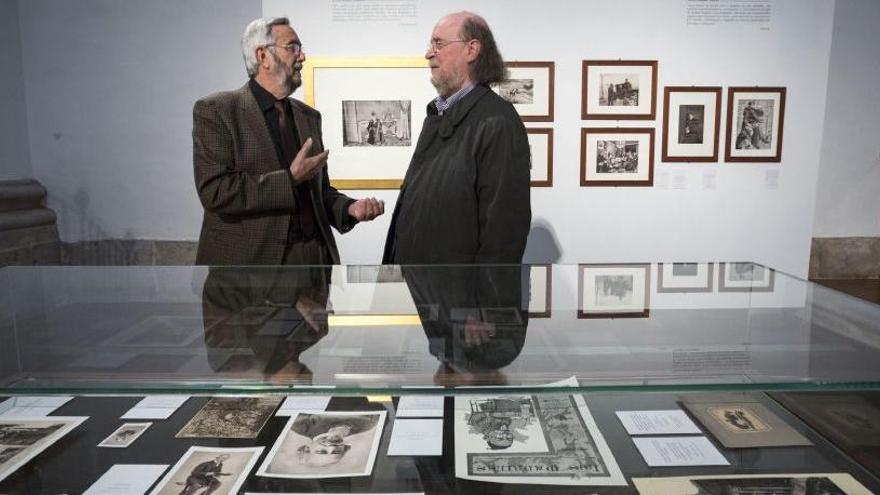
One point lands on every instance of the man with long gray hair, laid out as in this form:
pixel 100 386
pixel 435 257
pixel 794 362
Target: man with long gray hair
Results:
pixel 260 167
pixel 465 196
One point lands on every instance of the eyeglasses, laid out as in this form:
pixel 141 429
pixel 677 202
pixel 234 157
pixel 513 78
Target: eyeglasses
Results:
pixel 436 45
pixel 294 48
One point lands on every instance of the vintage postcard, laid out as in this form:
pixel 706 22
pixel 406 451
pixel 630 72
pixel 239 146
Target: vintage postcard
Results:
pixel 807 484
pixel 739 421
pixel 326 445
pixel 125 435
pixel 231 417
pixel 537 439
pixel 23 438
pixel 217 471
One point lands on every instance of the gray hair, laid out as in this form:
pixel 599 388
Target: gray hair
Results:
pixel 258 33
pixel 489 66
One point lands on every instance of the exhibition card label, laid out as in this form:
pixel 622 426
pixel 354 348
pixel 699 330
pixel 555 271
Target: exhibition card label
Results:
pixel 679 451
pixel 417 437
pixel 668 422
pixel 122 479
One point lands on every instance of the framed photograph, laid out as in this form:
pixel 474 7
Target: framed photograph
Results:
pixel 372 111
pixel 188 475
pixel 540 285
pixel 23 438
pixel 754 124
pixel 614 291
pixel 745 277
pixel 529 87
pixel 692 123
pixel 619 90
pixel 125 435
pixel 325 445
pixel 685 277
pixel 617 157
pixel 541 156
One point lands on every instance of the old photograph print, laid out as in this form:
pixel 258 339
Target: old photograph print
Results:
pixel 204 470
pixel 230 417
pixel 517 91
pixel 614 290
pixel 22 439
pixel 376 123
pixel 690 124
pixel 326 445
pixel 617 157
pixel 619 90
pixel 754 124
pixel 125 435
pixel 738 419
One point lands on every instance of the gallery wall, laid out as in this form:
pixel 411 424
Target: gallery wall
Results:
pixel 110 86
pixel 848 196
pixel 14 154
pixel 703 212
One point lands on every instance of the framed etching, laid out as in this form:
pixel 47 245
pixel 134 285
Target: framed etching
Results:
pixel 372 111
pixel 540 156
pixel 617 157
pixel 745 277
pixel 619 90
pixel 540 286
pixel 691 124
pixel 529 87
pixel 754 124
pixel 685 277
pixel 614 291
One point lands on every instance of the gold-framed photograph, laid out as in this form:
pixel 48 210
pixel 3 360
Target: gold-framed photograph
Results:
pixel 372 111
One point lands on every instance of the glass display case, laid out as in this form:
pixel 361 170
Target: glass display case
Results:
pixel 527 368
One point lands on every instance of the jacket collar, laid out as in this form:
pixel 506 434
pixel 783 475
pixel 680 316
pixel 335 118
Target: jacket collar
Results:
pixel 453 117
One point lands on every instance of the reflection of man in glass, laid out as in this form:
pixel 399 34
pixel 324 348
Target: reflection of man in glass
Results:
pixel 328 436
pixel 205 476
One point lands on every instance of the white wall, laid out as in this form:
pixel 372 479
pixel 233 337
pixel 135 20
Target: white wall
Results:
pixel 848 196
pixel 742 219
pixel 15 160
pixel 110 88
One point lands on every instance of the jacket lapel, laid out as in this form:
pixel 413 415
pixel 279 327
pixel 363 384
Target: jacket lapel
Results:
pixel 254 119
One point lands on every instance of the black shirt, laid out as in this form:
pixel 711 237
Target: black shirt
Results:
pixel 266 101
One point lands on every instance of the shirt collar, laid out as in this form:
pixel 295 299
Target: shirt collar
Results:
pixel 443 105
pixel 265 99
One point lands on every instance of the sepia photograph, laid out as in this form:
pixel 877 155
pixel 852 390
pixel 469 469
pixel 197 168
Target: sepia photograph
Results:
pixel 619 89
pixel 529 88
pixel 613 291
pixel 612 157
pixel 214 470
pixel 754 124
pixel 23 438
pixel 230 417
pixel 376 123
pixel 685 277
pixel 738 419
pixel 125 435
pixel 741 421
pixel 789 484
pixel 326 445
pixel 745 277
pixel 522 439
pixel 692 123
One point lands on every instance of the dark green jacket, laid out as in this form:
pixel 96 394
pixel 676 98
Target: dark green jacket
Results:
pixel 465 197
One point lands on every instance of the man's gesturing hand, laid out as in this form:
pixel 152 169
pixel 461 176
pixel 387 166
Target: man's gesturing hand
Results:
pixel 305 167
pixel 366 209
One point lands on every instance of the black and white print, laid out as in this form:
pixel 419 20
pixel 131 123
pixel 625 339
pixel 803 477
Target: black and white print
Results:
pixel 614 290
pixel 516 91
pixel 218 471
pixel 376 123
pixel 754 124
pixel 619 90
pixel 230 417
pixel 690 124
pixel 125 435
pixel 23 438
pixel 326 445
pixel 617 157
pixel 746 277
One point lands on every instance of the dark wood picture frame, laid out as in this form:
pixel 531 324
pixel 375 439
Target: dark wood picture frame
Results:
pixel 585 131
pixel 586 94
pixel 644 310
pixel 710 281
pixel 732 132
pixel 548 290
pixel 548 182
pixel 724 287
pixel 667 91
pixel 551 79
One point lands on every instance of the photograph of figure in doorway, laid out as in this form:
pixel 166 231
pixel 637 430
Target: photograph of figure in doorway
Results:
pixel 376 123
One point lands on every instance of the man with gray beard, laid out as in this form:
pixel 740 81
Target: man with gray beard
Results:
pixel 260 164
pixel 465 196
